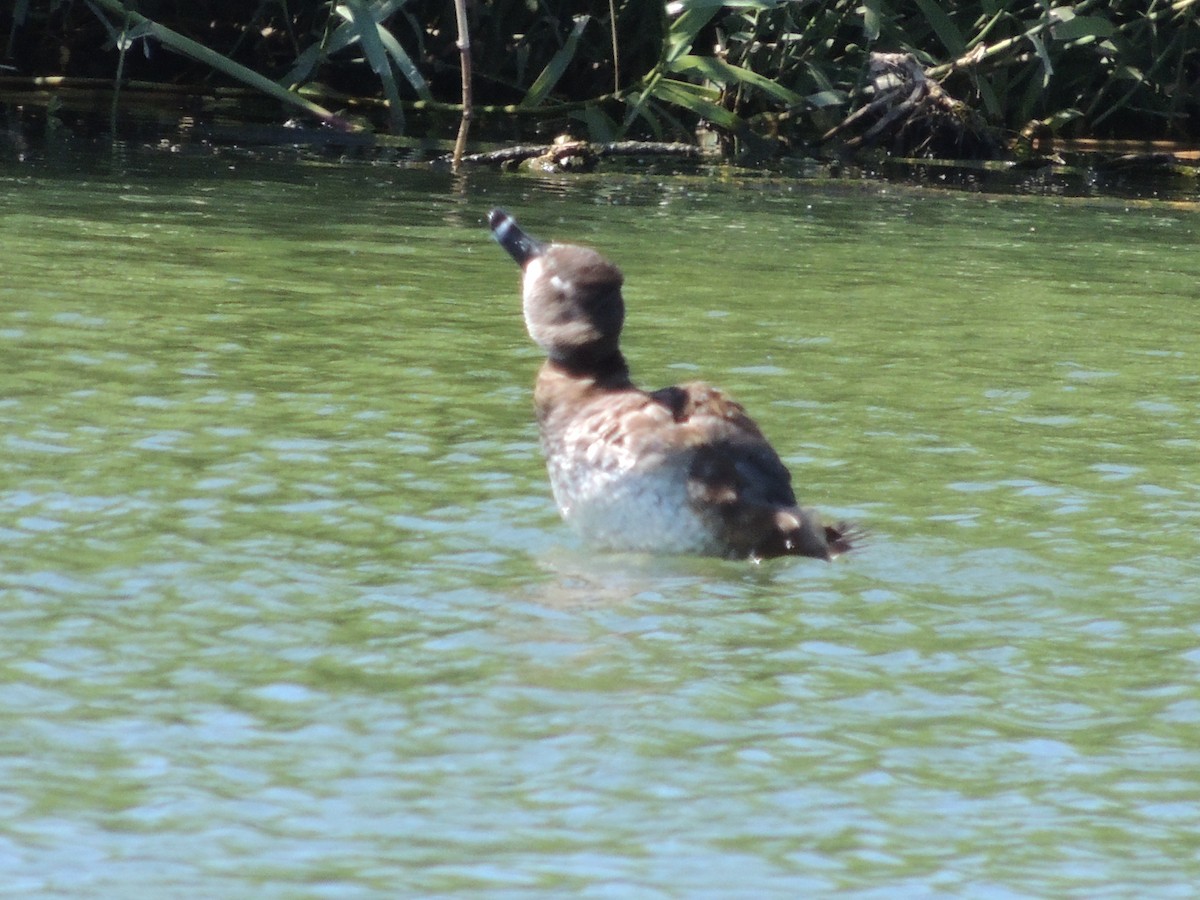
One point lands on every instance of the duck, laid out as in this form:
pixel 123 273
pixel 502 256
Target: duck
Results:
pixel 680 470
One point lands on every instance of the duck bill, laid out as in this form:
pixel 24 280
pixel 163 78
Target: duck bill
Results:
pixel 517 243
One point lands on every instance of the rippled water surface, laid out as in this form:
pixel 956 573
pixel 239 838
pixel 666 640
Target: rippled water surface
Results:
pixel 287 610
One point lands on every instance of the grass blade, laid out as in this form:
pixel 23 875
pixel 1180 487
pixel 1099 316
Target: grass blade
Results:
pixel 405 64
pixel 355 12
pixel 175 41
pixel 684 30
pixel 698 100
pixel 549 77
pixel 723 73
pixel 943 26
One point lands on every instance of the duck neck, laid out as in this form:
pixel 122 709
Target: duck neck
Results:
pixel 608 372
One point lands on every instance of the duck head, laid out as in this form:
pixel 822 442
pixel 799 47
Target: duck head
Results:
pixel 571 296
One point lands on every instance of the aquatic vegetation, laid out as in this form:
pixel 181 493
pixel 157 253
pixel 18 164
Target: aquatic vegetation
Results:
pixel 763 76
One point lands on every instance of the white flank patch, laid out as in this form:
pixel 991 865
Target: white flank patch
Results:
pixel 625 500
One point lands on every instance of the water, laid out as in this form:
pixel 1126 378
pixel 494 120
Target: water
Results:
pixel 287 610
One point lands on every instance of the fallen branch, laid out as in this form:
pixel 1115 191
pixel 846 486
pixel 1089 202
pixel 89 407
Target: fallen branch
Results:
pixel 555 155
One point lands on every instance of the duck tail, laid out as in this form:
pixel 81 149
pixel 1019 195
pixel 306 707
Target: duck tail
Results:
pixel 843 537
pixel 802 534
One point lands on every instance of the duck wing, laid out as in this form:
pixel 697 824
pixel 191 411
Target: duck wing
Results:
pixel 738 479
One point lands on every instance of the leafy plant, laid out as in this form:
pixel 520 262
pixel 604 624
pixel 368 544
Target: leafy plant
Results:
pixel 786 69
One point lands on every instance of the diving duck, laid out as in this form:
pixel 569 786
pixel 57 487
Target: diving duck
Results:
pixel 683 469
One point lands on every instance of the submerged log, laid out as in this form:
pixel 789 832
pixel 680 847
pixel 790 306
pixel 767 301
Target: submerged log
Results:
pixel 566 155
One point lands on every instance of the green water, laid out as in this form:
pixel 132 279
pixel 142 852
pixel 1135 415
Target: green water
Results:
pixel 287 610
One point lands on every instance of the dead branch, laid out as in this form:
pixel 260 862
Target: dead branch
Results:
pixel 568 155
